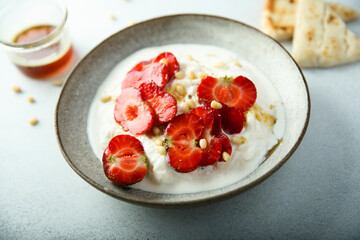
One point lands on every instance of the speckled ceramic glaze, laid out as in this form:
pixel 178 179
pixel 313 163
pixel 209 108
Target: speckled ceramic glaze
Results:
pixel 264 53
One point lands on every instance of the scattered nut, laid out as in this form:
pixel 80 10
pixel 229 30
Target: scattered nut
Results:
pixel 181 89
pixel 164 61
pixel 57 82
pixel 161 150
pixel 16 89
pixel 106 99
pixel 203 75
pixel 33 121
pixel 220 65
pixel 191 103
pixel 191 75
pixel 271 106
pixel 156 130
pixel 185 108
pixel 216 105
pixel 190 58
pixel 203 143
pixel 239 140
pixel 158 142
pixel 31 99
pixel 225 156
pixel 179 75
pixel 236 63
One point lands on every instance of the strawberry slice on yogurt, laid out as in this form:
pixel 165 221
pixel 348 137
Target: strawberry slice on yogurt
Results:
pixel 133 113
pixel 211 145
pixel 163 103
pixel 160 69
pixel 182 137
pixel 237 92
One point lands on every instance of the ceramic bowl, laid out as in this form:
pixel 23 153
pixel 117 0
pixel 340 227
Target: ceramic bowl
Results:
pixel 262 51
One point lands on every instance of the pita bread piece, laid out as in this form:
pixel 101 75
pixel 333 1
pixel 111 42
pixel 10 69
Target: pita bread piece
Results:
pixel 321 38
pixel 278 17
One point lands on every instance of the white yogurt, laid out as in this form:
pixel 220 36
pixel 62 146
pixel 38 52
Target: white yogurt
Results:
pixel 245 158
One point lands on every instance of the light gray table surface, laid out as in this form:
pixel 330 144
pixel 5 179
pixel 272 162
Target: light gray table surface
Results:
pixel 315 195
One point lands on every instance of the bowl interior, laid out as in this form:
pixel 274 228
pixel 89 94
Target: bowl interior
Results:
pixel 264 53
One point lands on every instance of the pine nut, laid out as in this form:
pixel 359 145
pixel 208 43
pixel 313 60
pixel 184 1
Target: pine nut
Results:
pixel 106 99
pixel 203 143
pixel 220 65
pixel 164 61
pixel 179 75
pixel 33 121
pixel 190 58
pixel 16 89
pixel 158 142
pixel 31 99
pixel 216 105
pixel 57 82
pixel 181 89
pixel 191 75
pixel 238 140
pixel 191 103
pixel 225 156
pixel 161 150
pixel 156 131
pixel 185 108
pixel 203 75
pixel 236 63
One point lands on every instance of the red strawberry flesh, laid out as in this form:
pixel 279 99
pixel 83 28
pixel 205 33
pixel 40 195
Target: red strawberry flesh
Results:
pixel 226 144
pixel 144 72
pixel 152 70
pixel 172 63
pixel 163 103
pixel 237 92
pixel 124 160
pixel 182 135
pixel 132 112
pixel 232 119
pixel 212 152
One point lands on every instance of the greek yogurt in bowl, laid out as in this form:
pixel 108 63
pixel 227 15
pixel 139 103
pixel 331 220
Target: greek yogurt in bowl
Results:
pixel 282 93
pixel 262 132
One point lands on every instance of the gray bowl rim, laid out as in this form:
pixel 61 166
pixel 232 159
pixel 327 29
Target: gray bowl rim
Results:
pixel 197 202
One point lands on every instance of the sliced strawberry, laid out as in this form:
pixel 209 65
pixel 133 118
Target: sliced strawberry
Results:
pixel 226 144
pixel 212 151
pixel 172 63
pixel 144 72
pixel 232 119
pixel 132 112
pixel 182 135
pixel 206 114
pixel 163 103
pixel 154 69
pixel 237 92
pixel 124 160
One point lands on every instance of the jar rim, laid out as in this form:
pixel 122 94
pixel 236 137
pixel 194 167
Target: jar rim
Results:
pixel 53 34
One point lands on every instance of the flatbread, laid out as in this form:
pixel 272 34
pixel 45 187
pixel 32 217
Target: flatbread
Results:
pixel 278 17
pixel 321 38
pixel 346 13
